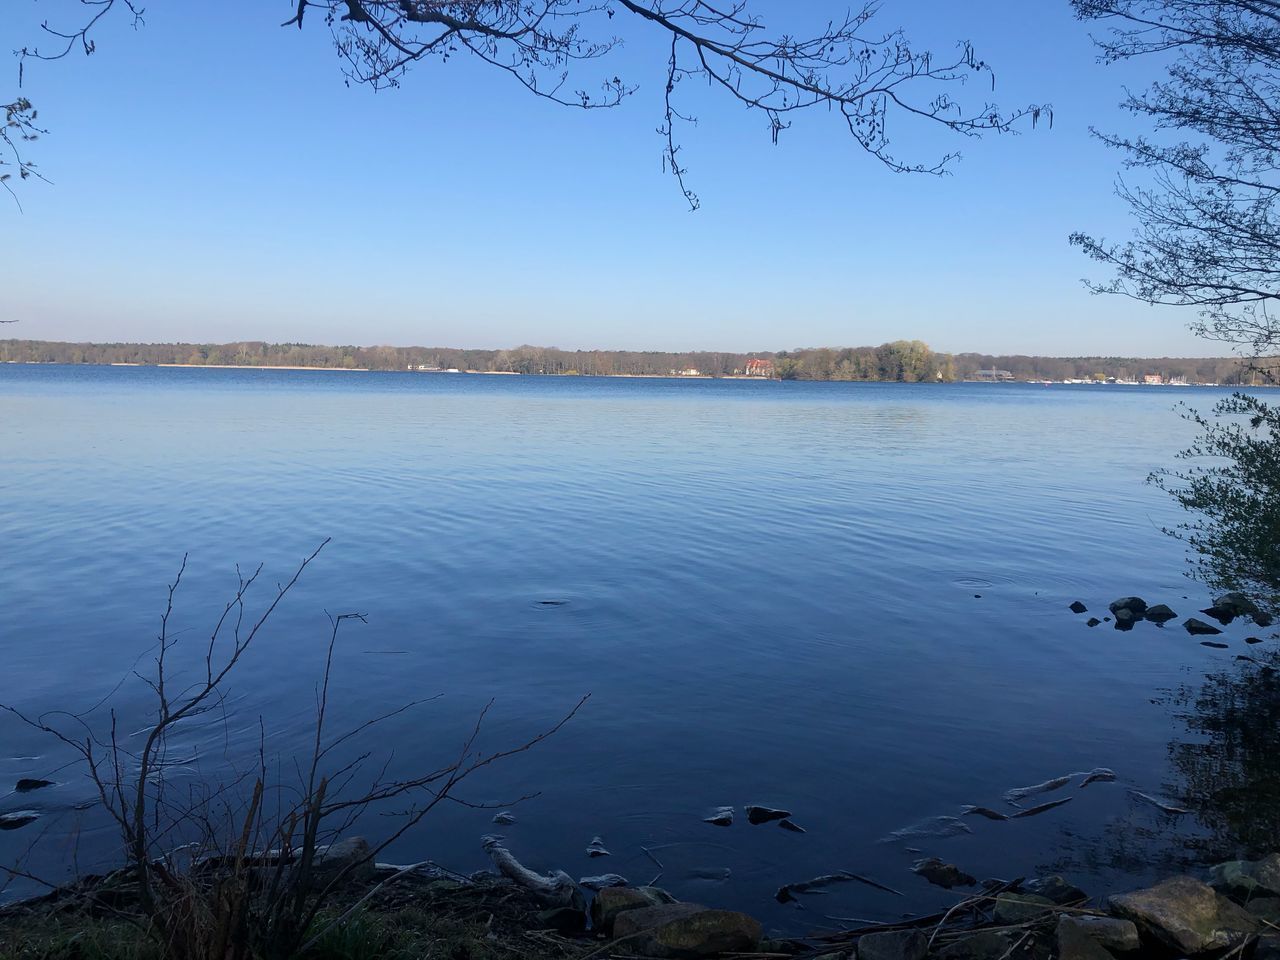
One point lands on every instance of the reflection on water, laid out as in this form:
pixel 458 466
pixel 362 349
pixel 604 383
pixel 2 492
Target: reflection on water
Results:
pixel 1227 762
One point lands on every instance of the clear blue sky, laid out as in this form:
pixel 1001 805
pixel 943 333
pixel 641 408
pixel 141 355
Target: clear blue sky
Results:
pixel 214 179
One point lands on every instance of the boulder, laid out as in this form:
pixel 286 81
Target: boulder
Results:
pixel 1199 627
pixel 686 930
pixel 1076 944
pixel 1236 604
pixel 1078 607
pixel 1160 614
pixel 1130 609
pixel 1014 908
pixel 351 859
pixel 985 945
pixel 1186 915
pixel 1117 935
pixel 893 945
pixel 614 901
pixel 1056 889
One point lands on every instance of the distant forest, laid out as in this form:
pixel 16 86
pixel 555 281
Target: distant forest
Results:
pixel 902 360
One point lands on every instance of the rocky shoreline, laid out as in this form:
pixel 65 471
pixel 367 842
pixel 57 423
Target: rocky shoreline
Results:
pixel 1231 912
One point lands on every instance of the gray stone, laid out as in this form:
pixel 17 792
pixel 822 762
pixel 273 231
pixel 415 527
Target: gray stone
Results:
pixel 758 815
pixel 893 945
pixel 1236 604
pixel 1075 944
pixel 1017 907
pixel 15 819
pixel 987 945
pixel 614 901
pixel 1160 614
pixel 603 881
pixel 1185 914
pixel 1198 627
pixel 1117 935
pixel 686 930
pixel 350 859
pixel 1128 608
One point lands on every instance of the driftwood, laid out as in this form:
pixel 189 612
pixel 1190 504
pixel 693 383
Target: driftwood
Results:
pixel 555 889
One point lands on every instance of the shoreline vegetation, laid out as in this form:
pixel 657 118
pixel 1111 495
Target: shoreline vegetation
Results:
pixel 390 911
pixel 907 361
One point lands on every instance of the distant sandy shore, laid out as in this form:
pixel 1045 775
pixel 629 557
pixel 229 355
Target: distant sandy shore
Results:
pixel 250 366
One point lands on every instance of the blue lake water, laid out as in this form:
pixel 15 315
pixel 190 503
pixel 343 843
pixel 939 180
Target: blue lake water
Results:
pixel 848 600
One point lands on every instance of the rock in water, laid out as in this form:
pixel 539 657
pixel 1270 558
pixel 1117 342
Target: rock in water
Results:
pixel 1199 627
pixel 1160 614
pixel 1092 622
pixel 893 945
pixel 1128 609
pixel 940 874
pixel 792 826
pixel 596 848
pixel 26 786
pixel 1236 604
pixel 1110 932
pixel 17 818
pixel 686 930
pixel 602 881
pixel 1252 639
pixel 1186 915
pixel 1098 775
pixel 1213 643
pixel 758 815
pixel 1078 607
pixel 723 817
pixel 505 818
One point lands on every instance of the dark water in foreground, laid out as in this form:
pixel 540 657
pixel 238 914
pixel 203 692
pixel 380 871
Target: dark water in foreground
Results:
pixel 848 600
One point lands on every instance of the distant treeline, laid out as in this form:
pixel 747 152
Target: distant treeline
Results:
pixel 902 360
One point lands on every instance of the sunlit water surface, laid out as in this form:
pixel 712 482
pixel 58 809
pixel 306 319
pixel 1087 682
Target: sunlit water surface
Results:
pixel 848 600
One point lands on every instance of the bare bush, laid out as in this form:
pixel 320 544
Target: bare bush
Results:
pixel 243 867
